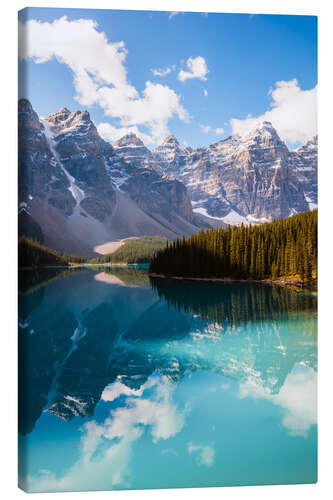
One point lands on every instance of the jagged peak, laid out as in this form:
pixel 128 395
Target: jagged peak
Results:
pixel 129 139
pixel 59 116
pixel 27 113
pixel 63 110
pixel 314 140
pixel 63 120
pixel 311 144
pixel 267 124
pixel 230 139
pixel 264 131
pixel 24 105
pixel 80 116
pixel 266 127
pixel 170 139
pixel 64 113
pixel 60 112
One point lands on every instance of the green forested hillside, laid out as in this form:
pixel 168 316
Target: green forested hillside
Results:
pixel 282 249
pixel 33 254
pixel 134 251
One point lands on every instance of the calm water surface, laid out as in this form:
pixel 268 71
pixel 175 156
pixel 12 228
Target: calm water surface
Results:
pixel 128 383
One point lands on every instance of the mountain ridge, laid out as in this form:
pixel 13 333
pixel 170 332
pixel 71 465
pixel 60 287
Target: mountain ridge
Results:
pixel 84 192
pixel 255 178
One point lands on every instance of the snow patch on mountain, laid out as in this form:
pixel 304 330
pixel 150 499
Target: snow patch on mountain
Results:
pixel 77 193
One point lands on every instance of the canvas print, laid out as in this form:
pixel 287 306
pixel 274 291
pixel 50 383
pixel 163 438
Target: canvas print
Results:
pixel 167 249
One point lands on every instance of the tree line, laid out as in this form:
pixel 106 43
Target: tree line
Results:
pixel 282 249
pixel 32 254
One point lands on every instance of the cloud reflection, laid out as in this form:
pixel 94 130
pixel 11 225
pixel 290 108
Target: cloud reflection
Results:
pixel 205 454
pixel 297 397
pixel 106 448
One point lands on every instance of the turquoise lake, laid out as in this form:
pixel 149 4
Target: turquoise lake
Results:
pixel 128 382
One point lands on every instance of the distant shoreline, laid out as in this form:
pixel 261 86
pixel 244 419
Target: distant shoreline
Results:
pixel 74 265
pixel 111 264
pixel 283 283
pixel 233 280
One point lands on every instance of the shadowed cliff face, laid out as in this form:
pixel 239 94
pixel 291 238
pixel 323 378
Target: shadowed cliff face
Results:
pixel 78 334
pixel 80 150
pixel 39 173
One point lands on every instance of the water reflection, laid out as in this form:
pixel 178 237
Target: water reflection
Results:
pixel 234 303
pixel 298 396
pixel 106 447
pixel 147 355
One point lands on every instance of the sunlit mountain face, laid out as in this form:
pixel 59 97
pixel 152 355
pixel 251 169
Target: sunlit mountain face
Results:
pixel 204 384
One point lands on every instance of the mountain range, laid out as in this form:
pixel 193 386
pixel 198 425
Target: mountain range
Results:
pixel 239 179
pixel 81 192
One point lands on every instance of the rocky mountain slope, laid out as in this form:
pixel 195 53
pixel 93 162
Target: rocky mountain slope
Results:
pixel 240 179
pixel 83 194
pixel 250 179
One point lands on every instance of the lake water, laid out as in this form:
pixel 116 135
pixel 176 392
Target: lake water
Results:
pixel 128 383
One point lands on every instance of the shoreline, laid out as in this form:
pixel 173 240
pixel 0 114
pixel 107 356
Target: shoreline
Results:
pixel 298 285
pixel 290 284
pixel 74 265
pixel 110 264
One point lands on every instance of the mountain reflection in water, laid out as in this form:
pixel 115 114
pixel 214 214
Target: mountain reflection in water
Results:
pixel 95 337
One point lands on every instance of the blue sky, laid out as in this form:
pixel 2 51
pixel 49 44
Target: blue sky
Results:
pixel 231 67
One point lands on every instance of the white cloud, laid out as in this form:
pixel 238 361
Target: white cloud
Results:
pixel 116 389
pixel 205 92
pixel 205 454
pixel 161 72
pixel 100 73
pixel 207 128
pixel 298 397
pixel 106 448
pixel 293 113
pixel 197 69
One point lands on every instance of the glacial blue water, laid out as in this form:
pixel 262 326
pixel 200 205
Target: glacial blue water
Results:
pixel 131 383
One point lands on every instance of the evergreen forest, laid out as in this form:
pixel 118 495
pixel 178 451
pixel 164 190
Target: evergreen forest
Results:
pixel 285 249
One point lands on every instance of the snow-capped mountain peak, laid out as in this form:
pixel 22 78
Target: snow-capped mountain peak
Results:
pixel 59 116
pixel 132 150
pixel 170 140
pixel 130 139
pixel 64 121
pixel 265 133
